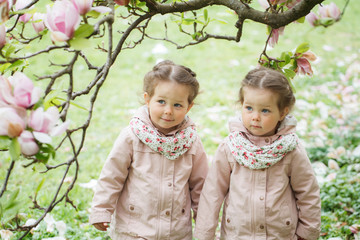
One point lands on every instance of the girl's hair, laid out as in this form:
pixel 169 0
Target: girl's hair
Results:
pixel 169 71
pixel 266 78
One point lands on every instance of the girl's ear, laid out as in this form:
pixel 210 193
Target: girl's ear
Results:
pixel 284 113
pixel 146 98
pixel 190 106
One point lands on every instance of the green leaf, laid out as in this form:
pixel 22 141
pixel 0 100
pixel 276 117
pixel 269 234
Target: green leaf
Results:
pixel 4 67
pixel 15 149
pixel 80 43
pixel 4 142
pixel 187 21
pixel 74 104
pixel 84 31
pixel 39 186
pixel 302 48
pixel 9 49
pixel 93 14
pixel 206 15
pixel 16 65
pixel 290 74
pixel 52 98
pixel 221 21
pixel 301 20
pixel 46 151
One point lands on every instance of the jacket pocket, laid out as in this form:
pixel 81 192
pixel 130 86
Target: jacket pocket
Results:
pixel 286 223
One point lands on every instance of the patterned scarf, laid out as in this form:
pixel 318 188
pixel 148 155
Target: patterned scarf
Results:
pixel 255 157
pixel 171 147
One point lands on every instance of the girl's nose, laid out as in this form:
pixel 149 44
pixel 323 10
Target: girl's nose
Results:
pixel 255 116
pixel 168 110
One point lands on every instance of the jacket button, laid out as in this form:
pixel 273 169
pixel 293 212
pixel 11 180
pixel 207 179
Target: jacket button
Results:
pixel 169 184
pixel 267 140
pixel 287 222
pixel 262 226
pixel 228 220
pixel 167 213
pixel 183 210
pixel 261 198
pixel 132 208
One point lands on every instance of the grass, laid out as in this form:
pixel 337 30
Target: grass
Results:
pixel 220 66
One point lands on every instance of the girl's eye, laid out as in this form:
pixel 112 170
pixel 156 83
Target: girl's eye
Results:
pixel 265 111
pixel 161 101
pixel 177 105
pixel 248 108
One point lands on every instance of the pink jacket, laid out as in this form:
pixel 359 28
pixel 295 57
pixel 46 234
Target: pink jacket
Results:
pixel 281 202
pixel 144 194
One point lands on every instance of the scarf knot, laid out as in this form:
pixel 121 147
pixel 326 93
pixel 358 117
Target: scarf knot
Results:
pixel 171 147
pixel 254 157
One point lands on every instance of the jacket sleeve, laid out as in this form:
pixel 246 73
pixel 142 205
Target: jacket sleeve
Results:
pixel 198 175
pixel 307 194
pixel 112 179
pixel 213 194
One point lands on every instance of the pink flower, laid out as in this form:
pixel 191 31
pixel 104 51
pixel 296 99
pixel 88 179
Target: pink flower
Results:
pixel 303 64
pixel 12 121
pixel 18 90
pixel 330 11
pixel 45 124
pixel 38 21
pixel 312 18
pixel 85 6
pixel 122 2
pixel 2 35
pixel 275 36
pixel 27 143
pixel 21 4
pixel 62 20
pixel 82 6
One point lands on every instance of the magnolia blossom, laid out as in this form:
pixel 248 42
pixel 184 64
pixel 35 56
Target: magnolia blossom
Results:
pixel 5 234
pixel 303 64
pixel 18 90
pixel 27 143
pixel 62 20
pixel 12 121
pixel 44 124
pixel 38 21
pixel 85 6
pixel 21 4
pixel 275 36
pixel 2 35
pixel 122 2
pixel 330 11
pixel 312 18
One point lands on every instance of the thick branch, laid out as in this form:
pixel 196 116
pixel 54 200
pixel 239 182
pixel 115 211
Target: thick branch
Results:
pixel 275 20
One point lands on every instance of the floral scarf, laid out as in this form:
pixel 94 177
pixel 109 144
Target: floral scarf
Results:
pixel 255 157
pixel 171 147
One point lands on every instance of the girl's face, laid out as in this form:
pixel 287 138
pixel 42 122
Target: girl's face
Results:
pixel 168 106
pixel 260 112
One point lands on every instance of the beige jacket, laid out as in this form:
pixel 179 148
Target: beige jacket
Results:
pixel 281 202
pixel 145 195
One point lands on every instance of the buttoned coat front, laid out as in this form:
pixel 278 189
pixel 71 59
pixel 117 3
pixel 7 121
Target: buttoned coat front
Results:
pixel 148 195
pixel 281 202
